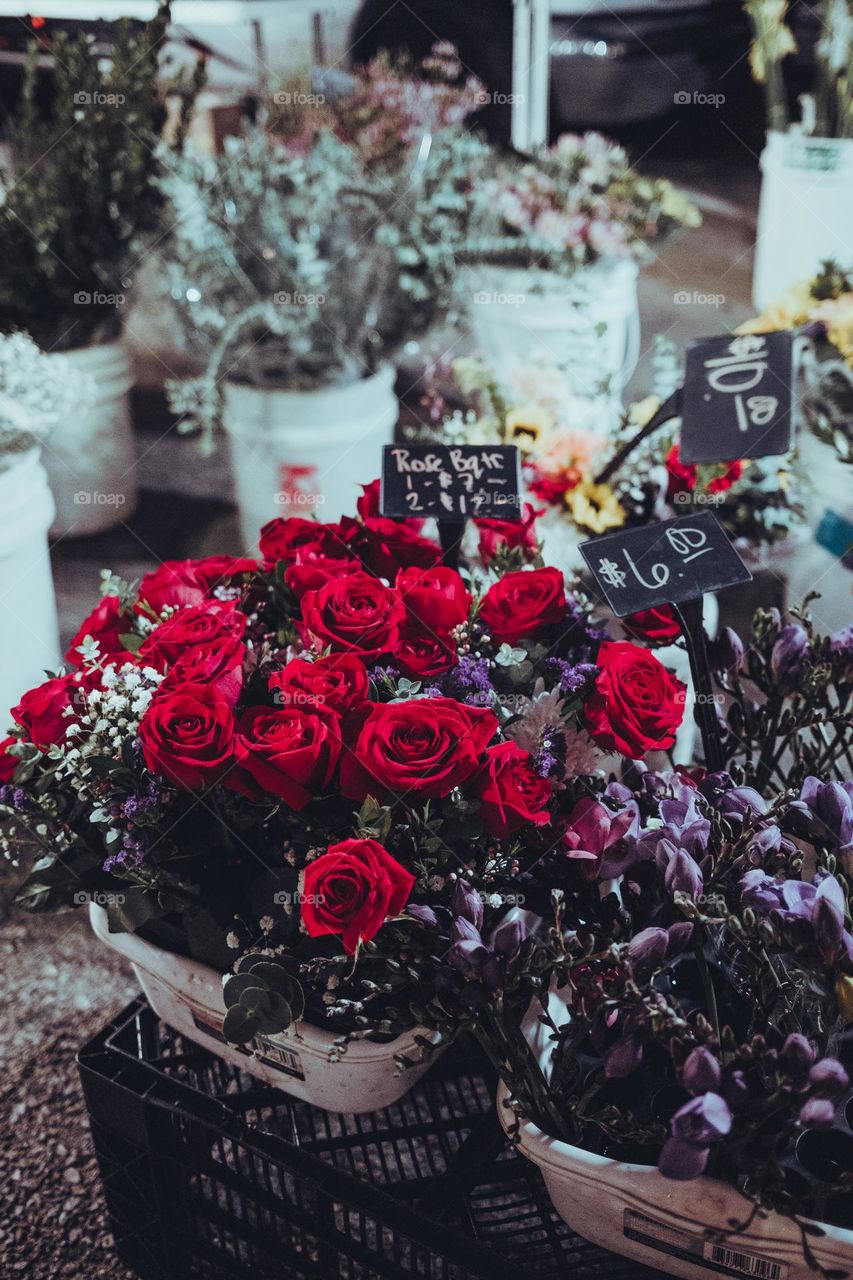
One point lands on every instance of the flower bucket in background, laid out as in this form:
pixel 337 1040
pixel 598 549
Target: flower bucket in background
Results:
pixel 302 1061
pixel 28 626
pixel 588 323
pixel 805 212
pixel 819 562
pixel 633 1210
pixel 303 453
pixel 90 458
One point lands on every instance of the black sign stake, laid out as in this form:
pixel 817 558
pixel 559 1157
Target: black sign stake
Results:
pixel 451 533
pixel 670 409
pixel 689 615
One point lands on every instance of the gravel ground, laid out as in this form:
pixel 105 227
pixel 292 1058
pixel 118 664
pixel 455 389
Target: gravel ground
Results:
pixel 60 987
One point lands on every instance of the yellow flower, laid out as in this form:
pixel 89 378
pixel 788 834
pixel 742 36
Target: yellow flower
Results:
pixel 642 411
pixel 527 424
pixel 675 204
pixel 791 310
pixel 837 315
pixel 594 507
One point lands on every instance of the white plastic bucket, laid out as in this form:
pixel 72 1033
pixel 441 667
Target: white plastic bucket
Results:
pixel 805 214
pixel 303 453
pixel 633 1210
pixel 587 324
pixel 814 560
pixel 29 635
pixel 188 996
pixel 90 457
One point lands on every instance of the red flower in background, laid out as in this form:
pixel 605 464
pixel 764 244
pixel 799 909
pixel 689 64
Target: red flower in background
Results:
pixel 178 583
pixel 425 747
pixel 496 535
pixel 386 546
pixel 285 536
pixel 524 603
pixel 351 890
pixel 636 704
pixel 310 572
pixel 417 585
pixel 187 735
pixel 198 625
pixel 511 792
pixel 290 753
pixel 219 665
pixel 681 477
pixel 355 614
pixel 421 652
pixel 41 711
pixel 655 626
pixel 8 763
pixel 368 505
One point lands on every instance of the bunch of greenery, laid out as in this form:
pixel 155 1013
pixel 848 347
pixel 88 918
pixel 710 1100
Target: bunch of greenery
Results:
pixel 80 189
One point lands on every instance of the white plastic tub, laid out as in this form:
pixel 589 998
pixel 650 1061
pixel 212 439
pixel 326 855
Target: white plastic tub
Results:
pixel 806 211
pixel 303 453
pixel 90 457
pixel 633 1210
pixel 188 996
pixel 29 634
pixel 587 324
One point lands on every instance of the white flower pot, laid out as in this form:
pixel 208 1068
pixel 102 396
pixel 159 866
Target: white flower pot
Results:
pixel 587 324
pixel 29 635
pixel 188 996
pixel 90 456
pixel 303 453
pixel 806 211
pixel 814 564
pixel 633 1210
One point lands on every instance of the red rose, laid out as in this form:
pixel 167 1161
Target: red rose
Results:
pixel 724 482
pixel 41 711
pixel 219 664
pixel 680 477
pixel 425 747
pixel 368 505
pixel 180 583
pixel 523 603
pixel 283 537
pixel 655 626
pixel 337 683
pixel 418 587
pixel 510 791
pixel 204 624
pixel 310 572
pixel 220 571
pixel 289 753
pixel 421 652
pixel 8 763
pixel 497 535
pixel 636 705
pixel 351 890
pixel 187 735
pixel 105 624
pixel 355 614
pixel 385 546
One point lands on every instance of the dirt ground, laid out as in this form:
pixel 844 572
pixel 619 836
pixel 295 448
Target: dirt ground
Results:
pixel 59 986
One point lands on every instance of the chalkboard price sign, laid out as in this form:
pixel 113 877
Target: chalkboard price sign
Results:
pixel 737 397
pixel 667 563
pixel 451 482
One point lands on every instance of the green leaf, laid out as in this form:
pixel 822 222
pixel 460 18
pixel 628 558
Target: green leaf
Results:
pixel 239 1026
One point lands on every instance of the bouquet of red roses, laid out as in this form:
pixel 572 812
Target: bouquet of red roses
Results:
pixel 310 754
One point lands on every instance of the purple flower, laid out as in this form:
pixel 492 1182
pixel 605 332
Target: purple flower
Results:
pixel 694 1127
pixel 824 811
pixel 740 803
pixel 682 1161
pixel 728 652
pixel 572 677
pixel 683 875
pixel 828 918
pixel 467 682
pixel 788 655
pixel 650 947
pixel 842 641
pixel 701 1072
pixel 594 831
pixel 623 1058
pixel 467 904
pixel 797 1055
pixel 817 1113
pixel 828 1078
pixel 821 903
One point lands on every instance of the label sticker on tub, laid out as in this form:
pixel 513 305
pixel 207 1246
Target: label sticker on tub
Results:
pixel 263 1048
pixel 693 1247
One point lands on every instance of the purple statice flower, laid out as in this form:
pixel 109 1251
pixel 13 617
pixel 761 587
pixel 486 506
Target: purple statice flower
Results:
pixel 13 797
pixel 380 674
pixel 141 802
pixel 550 760
pixel 821 903
pixel 694 1127
pixel 467 682
pixel 573 677
pixel 584 636
pixel 130 854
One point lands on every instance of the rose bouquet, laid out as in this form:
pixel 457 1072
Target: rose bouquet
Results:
pixel 306 756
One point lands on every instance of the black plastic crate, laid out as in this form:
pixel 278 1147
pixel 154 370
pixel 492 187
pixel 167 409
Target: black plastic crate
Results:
pixel 210 1173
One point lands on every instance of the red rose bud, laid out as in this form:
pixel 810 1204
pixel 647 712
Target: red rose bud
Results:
pixel 498 535
pixel 510 791
pixel 41 711
pixel 219 664
pixel 356 614
pixel 336 683
pixel 351 890
pixel 187 735
pixel 524 604
pixel 423 748
pixel 291 754
pixel 636 705
pixel 655 626
pixel 199 625
pixel 106 623
pixel 436 597
pixel 284 537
